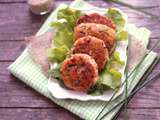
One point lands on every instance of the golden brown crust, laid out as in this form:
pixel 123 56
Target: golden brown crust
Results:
pixel 93 47
pixel 100 31
pixel 96 18
pixel 79 72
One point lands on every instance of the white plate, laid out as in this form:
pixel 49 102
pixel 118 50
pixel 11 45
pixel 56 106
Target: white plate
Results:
pixel 61 93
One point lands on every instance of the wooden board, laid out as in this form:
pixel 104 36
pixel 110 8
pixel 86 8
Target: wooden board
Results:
pixel 61 114
pixel 18 101
pixel 28 24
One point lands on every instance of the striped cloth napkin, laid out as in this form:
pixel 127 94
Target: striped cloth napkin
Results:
pixel 30 73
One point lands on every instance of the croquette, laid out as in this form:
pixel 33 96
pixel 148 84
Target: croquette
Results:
pixel 96 18
pixel 79 72
pixel 107 34
pixel 93 47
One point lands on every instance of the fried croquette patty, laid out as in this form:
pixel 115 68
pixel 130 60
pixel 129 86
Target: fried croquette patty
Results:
pixel 93 47
pixel 79 72
pixel 107 34
pixel 96 18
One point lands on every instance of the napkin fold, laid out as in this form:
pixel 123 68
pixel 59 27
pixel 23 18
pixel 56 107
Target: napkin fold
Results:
pixel 30 73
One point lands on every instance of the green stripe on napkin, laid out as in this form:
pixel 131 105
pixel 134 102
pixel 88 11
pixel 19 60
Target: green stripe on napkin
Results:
pixel 30 73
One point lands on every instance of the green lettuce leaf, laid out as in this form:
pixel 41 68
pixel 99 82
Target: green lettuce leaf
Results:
pixel 115 73
pixel 55 72
pixel 59 24
pixel 71 15
pixel 116 57
pixel 117 18
pixel 64 37
pixel 58 54
pixel 110 77
pixel 63 40
pixel 121 36
pixel 100 86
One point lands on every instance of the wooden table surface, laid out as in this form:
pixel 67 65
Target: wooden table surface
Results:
pixel 20 102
